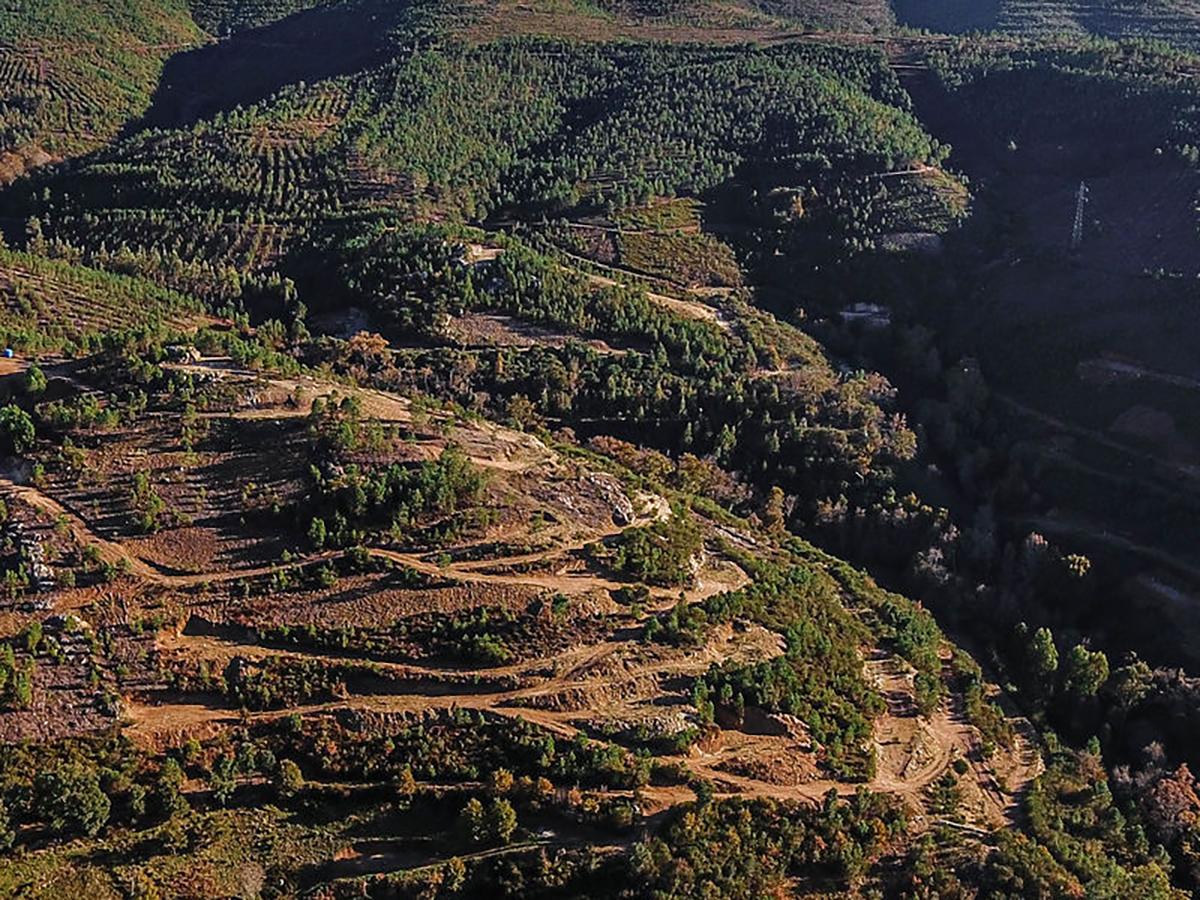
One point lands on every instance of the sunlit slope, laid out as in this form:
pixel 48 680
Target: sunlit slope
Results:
pixel 73 73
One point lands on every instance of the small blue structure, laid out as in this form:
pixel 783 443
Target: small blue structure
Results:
pixel 8 354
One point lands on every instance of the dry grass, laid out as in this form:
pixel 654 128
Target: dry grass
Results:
pixel 714 22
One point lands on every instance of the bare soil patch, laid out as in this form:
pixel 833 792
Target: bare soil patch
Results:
pixel 475 329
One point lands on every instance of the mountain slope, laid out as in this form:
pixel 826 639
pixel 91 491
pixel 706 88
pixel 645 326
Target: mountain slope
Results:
pixel 403 479
pixel 222 18
pixel 73 73
pixel 1174 21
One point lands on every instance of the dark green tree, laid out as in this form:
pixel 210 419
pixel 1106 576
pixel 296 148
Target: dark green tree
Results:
pixel 71 800
pixel 472 822
pixel 288 780
pixel 17 433
pixel 166 799
pixel 222 780
pixel 501 820
pixel 1085 671
pixel 35 381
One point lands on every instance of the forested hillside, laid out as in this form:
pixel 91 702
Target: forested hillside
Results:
pixel 596 449
pixel 1177 23
pixel 224 17
pixel 72 74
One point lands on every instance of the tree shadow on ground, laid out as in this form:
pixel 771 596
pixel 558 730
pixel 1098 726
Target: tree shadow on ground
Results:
pixel 252 65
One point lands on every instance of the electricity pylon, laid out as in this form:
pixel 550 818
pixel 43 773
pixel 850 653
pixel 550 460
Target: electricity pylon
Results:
pixel 1081 197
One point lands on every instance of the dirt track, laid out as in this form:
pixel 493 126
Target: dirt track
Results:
pixel 486 444
pixel 617 677
pixel 912 752
pixel 375 404
pixel 950 736
pixel 116 553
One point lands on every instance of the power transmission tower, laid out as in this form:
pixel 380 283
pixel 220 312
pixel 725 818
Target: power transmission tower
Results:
pixel 1081 197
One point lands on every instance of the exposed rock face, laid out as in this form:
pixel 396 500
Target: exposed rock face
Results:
pixel 758 721
pixel 610 489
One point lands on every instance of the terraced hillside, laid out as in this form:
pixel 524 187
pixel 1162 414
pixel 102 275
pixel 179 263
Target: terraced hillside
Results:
pixel 72 74
pixel 1177 23
pixel 48 304
pixel 444 453
pixel 703 20
pixel 513 587
pixel 350 144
